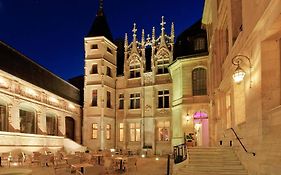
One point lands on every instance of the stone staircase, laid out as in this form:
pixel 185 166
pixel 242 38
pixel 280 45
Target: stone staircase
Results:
pixel 211 161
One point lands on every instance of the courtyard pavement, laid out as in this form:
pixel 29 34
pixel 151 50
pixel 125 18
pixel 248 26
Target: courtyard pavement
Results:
pixel 145 166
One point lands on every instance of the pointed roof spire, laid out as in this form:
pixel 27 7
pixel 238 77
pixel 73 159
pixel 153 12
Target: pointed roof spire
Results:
pixel 126 42
pixel 142 38
pixel 100 26
pixel 172 32
pixel 100 11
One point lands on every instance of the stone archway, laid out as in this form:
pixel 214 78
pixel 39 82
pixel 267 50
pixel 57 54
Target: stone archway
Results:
pixel 70 128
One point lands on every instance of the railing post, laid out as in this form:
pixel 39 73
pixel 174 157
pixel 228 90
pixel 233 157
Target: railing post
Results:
pixel 168 165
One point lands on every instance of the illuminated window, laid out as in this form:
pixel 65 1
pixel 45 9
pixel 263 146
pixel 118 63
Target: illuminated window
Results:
pixel 134 69
pixel 95 131
pixel 163 99
pixel 108 131
pixel 95 98
pixel 27 122
pixel 162 65
pixel 51 125
pixel 108 99
pixel 199 81
pixel 199 44
pixel 108 71
pixel 3 118
pixel 121 130
pixel 134 132
pixel 163 130
pixel 135 101
pixel 94 69
pixel 121 101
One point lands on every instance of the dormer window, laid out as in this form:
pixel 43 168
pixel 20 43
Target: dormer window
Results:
pixel 199 44
pixel 162 65
pixel 94 46
pixel 134 69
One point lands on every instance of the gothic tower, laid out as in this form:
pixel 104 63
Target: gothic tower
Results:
pixel 99 85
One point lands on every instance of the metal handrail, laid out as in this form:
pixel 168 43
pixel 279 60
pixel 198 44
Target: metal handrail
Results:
pixel 254 154
pixel 180 153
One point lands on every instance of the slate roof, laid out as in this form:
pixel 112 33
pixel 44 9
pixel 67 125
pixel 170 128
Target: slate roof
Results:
pixel 100 26
pixel 15 63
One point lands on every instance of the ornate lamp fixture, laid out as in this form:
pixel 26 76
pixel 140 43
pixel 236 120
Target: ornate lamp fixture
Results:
pixel 239 73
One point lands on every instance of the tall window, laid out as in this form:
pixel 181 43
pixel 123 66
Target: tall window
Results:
pixel 163 99
pixel 51 125
pixel 162 65
pixel 121 130
pixel 95 131
pixel 108 71
pixel 135 69
pixel 95 98
pixel 199 44
pixel 121 101
pixel 94 69
pixel 134 132
pixel 3 118
pixel 163 130
pixel 199 81
pixel 27 122
pixel 108 131
pixel 135 101
pixel 108 99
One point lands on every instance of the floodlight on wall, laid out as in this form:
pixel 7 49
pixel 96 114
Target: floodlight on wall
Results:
pixel 188 117
pixel 239 73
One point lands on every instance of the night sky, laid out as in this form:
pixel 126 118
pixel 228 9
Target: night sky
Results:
pixel 51 32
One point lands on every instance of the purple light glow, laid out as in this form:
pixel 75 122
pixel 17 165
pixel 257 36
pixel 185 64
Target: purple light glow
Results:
pixel 199 114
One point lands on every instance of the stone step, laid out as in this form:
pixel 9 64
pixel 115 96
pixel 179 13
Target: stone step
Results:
pixel 211 173
pixel 207 162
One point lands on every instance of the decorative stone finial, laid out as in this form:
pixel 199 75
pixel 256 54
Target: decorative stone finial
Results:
pixel 142 37
pixel 101 4
pixel 126 41
pixel 162 25
pixel 172 32
pixel 153 34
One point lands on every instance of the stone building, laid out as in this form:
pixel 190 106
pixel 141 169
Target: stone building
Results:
pixel 145 107
pixel 37 108
pixel 244 38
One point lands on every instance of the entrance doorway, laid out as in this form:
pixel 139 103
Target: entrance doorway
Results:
pixel 201 128
pixel 69 128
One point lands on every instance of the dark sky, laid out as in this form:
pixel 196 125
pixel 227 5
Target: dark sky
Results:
pixel 51 32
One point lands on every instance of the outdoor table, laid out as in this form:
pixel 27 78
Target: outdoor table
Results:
pixel 121 159
pixel 81 166
pixel 98 156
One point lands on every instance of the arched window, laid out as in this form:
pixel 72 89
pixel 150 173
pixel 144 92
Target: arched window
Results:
pixel 199 81
pixel 27 121
pixel 134 69
pixel 51 124
pixel 3 117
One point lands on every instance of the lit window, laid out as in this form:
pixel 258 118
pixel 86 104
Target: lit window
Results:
pixel 95 98
pixel 134 69
pixel 121 101
pixel 163 99
pixel 94 69
pixel 199 81
pixel 163 130
pixel 134 132
pixel 121 128
pixel 27 122
pixel 135 101
pixel 108 131
pixel 199 44
pixel 162 65
pixel 3 118
pixel 108 100
pixel 108 72
pixel 51 125
pixel 95 131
